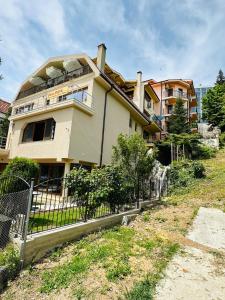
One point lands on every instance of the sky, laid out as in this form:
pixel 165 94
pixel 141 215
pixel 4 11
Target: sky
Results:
pixel 162 38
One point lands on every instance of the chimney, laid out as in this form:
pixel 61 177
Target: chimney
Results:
pixel 139 78
pixel 139 97
pixel 101 57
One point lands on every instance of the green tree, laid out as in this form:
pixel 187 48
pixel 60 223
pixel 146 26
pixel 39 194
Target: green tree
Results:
pixel 213 105
pixel 220 78
pixel 131 155
pixel 4 126
pixel 178 120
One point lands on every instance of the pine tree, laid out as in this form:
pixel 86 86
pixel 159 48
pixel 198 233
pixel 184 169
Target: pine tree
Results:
pixel 178 120
pixel 220 78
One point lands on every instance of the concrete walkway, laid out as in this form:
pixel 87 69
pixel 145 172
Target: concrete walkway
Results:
pixel 195 274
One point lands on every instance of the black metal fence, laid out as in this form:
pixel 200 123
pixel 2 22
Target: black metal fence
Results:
pixel 54 205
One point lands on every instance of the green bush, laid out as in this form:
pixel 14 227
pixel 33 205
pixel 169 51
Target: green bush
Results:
pixel 184 171
pixel 9 257
pixel 107 185
pixel 198 169
pixel 203 152
pixel 21 167
pixel 222 139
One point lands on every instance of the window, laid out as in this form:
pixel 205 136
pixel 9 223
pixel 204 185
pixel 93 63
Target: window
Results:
pixel 145 135
pixel 180 92
pixel 130 122
pixel 170 92
pixel 23 109
pixel 136 125
pixel 39 131
pixel 148 101
pixel 47 102
pixel 79 95
pixel 170 109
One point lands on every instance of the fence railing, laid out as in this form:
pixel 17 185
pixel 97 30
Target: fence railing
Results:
pixel 54 205
pixel 175 93
pixel 58 80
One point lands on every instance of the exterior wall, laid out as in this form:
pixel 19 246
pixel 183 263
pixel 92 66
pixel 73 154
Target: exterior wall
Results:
pixel 51 149
pixel 162 107
pixel 78 133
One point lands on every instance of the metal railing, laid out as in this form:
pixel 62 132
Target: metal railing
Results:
pixel 86 69
pixel 54 205
pixel 3 142
pixel 40 105
pixel 175 93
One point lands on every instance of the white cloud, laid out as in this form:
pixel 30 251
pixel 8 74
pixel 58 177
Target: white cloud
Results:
pixel 165 39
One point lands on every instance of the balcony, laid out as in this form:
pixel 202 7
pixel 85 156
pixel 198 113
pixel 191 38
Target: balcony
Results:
pixel 79 98
pixel 174 94
pixel 58 80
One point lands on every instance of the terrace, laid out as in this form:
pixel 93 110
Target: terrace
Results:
pixel 66 76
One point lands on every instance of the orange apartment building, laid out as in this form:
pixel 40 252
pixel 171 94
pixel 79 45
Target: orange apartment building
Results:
pixel 168 91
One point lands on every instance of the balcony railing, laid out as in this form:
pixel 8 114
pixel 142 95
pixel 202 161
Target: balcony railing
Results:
pixel 175 94
pixel 58 80
pixel 2 142
pixel 78 96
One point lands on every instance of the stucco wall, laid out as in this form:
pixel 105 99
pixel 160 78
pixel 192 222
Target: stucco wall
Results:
pixel 55 149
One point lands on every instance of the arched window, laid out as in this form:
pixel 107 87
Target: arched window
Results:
pixel 39 131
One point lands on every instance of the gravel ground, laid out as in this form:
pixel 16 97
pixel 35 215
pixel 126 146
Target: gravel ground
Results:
pixel 196 274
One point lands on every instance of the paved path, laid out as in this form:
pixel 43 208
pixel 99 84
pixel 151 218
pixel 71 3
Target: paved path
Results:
pixel 195 274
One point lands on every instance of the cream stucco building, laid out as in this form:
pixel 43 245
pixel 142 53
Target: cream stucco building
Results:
pixel 71 111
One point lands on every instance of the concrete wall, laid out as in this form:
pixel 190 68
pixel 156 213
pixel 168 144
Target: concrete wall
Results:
pixel 40 243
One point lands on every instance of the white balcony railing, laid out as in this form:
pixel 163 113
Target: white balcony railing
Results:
pixel 80 96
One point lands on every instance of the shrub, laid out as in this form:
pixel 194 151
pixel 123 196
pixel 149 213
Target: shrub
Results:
pixel 203 152
pixel 21 167
pixel 9 257
pixel 222 139
pixel 100 186
pixel 132 156
pixel 183 172
pixel 198 169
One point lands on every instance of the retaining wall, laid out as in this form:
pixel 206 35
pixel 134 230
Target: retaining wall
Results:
pixel 39 244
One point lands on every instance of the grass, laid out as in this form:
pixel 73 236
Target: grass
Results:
pixel 45 220
pixel 9 257
pixel 127 262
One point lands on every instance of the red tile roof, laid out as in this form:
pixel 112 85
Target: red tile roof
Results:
pixel 4 106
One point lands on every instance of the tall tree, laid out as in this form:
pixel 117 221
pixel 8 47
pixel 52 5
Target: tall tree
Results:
pixel 178 122
pixel 4 126
pixel 213 106
pixel 220 78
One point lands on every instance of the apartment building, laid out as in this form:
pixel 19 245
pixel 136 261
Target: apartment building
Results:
pixel 168 91
pixel 200 93
pixel 71 110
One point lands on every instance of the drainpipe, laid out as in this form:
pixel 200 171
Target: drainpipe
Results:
pixel 103 124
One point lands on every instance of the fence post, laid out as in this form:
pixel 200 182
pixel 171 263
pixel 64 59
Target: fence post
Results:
pixel 26 223
pixel 138 194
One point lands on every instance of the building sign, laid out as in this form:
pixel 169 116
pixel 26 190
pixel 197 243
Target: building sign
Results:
pixel 58 92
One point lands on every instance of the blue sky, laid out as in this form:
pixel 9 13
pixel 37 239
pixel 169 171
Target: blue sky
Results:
pixel 162 38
